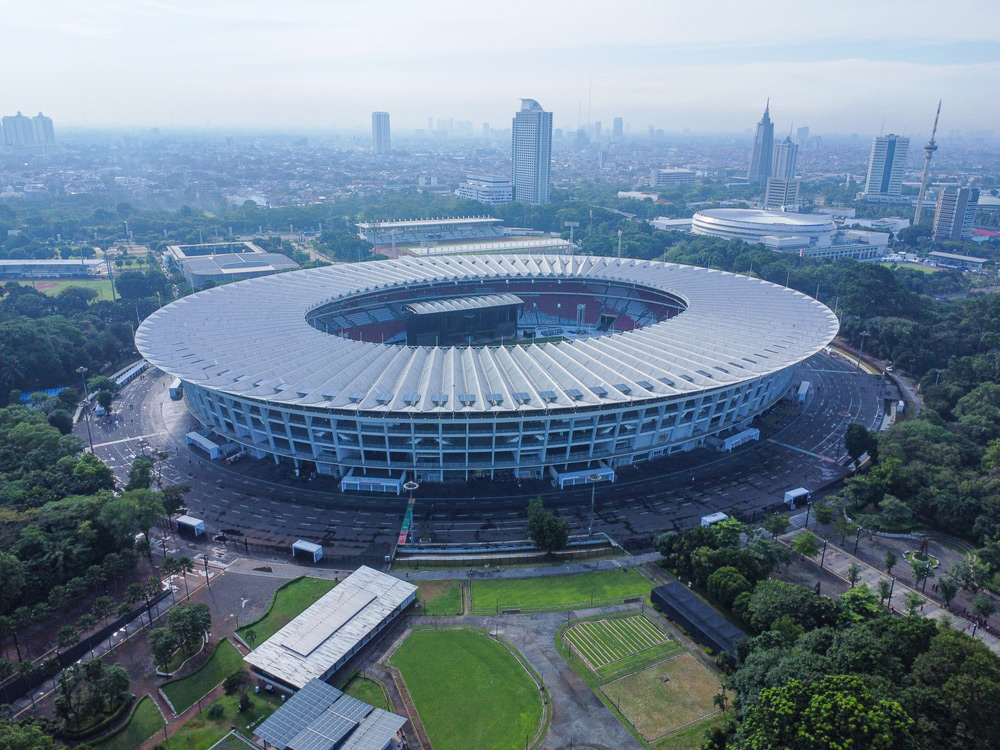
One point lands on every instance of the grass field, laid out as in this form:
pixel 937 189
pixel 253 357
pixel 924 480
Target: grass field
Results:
pixel 201 732
pixel 144 722
pixel 906 264
pixel 440 597
pixel 52 288
pixel 289 601
pixel 618 646
pixel 368 691
pixel 469 690
pixel 656 706
pixel 558 592
pixel 183 693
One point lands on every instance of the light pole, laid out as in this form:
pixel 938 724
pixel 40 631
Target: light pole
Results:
pixel 864 335
pixel 86 415
pixel 411 487
pixel 593 479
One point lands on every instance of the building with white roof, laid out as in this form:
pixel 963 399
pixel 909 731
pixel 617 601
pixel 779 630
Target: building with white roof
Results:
pixel 326 635
pixel 304 367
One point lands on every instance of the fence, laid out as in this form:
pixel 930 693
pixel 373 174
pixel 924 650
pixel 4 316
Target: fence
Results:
pixel 21 685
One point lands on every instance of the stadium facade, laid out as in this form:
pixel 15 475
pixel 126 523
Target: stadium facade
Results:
pixel 648 359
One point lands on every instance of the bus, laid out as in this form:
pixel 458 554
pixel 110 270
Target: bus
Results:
pixel 177 390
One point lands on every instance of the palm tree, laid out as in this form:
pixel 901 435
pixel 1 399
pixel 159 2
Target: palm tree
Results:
pixel 186 566
pixel 6 670
pixel 86 623
pixel 123 609
pixel 26 670
pixel 250 637
pixel 67 637
pixel 720 700
pixel 152 587
pixel 170 567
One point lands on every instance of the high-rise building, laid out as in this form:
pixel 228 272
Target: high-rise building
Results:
pixel 955 214
pixel 786 156
pixel 486 130
pixel 531 153
pixel 492 190
pixel 44 132
pixel 597 129
pixel 380 133
pixel 781 194
pixel 18 131
pixel 802 135
pixel 618 128
pixel 763 149
pixel 885 167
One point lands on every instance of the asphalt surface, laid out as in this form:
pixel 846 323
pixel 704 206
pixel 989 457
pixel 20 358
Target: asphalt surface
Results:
pixel 265 503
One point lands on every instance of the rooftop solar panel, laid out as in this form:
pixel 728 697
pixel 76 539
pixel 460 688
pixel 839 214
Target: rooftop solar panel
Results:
pixel 297 713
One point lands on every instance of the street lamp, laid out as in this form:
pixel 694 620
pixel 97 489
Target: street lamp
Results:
pixel 864 335
pixel 593 479
pixel 86 415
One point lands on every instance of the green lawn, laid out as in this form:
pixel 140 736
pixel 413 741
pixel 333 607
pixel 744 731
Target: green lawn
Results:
pixel 201 732
pixel 368 691
pixel 184 692
pixel 143 723
pixel 906 264
pixel 289 601
pixel 559 592
pixel 181 655
pixel 53 287
pixel 469 690
pixel 440 597
pixel 617 646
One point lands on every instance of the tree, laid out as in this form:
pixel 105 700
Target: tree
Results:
pixel 884 589
pixel 62 420
pixel 162 645
pixel 102 608
pixel 25 735
pixel 170 567
pixel 67 637
pixel 838 711
pixel 823 512
pixel 186 565
pixel 6 670
pixel 250 637
pixel 725 584
pixel 853 573
pixel 140 476
pixel 546 530
pixel 857 440
pixel 237 682
pixel 806 544
pixel 104 399
pixel 844 527
pixel 11 580
pixel 922 570
pixel 891 558
pixel 912 602
pixel 983 606
pixel 190 622
pixel 948 588
pixel 776 524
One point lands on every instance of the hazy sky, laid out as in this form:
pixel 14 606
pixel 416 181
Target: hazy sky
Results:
pixel 838 67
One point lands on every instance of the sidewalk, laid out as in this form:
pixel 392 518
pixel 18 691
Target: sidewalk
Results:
pixel 837 561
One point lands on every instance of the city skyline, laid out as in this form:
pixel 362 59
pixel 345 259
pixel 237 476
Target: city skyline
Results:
pixel 306 67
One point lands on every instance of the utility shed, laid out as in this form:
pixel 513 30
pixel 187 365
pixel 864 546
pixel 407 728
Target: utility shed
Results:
pixel 307 549
pixel 326 635
pixel 703 622
pixel 191 525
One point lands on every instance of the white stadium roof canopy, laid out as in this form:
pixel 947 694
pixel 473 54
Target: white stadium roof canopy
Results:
pixel 251 339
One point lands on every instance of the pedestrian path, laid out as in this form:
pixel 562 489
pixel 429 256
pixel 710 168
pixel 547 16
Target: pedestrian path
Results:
pixel 838 561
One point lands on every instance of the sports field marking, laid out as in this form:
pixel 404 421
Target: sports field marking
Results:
pixel 603 642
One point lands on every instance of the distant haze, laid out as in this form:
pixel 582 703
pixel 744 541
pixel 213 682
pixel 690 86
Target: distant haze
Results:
pixel 837 67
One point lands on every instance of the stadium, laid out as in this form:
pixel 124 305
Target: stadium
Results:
pixel 448 368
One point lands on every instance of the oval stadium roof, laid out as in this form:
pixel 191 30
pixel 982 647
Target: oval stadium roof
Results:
pixel 251 339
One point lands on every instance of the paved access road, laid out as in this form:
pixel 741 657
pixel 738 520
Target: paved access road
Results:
pixel 269 504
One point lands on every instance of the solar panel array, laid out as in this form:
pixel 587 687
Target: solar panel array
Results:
pixel 297 713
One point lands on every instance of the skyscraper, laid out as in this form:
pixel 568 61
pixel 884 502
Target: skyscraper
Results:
pixel 885 166
pixel 617 128
pixel 955 214
pixel 380 133
pixel 531 153
pixel 763 149
pixel 18 130
pixel 786 157
pixel 781 194
pixel 802 135
pixel 44 132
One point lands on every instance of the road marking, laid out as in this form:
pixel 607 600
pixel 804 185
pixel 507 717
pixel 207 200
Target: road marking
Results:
pixel 129 439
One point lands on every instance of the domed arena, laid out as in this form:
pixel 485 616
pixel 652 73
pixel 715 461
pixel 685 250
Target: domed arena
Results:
pixel 448 368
